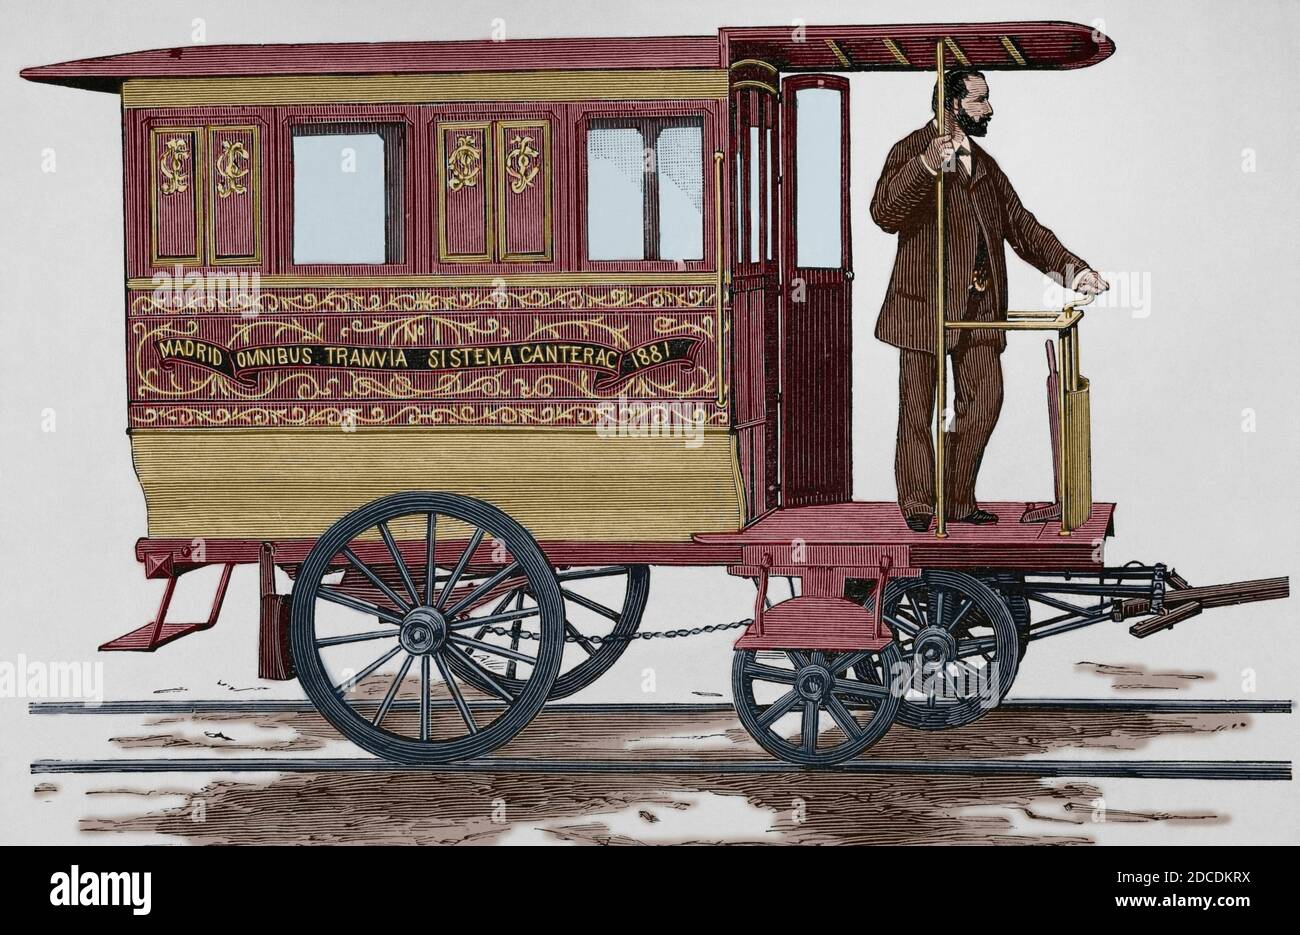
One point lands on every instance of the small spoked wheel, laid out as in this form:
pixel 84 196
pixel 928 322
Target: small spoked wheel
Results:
pixel 1012 591
pixel 602 611
pixel 815 708
pixel 959 642
pixel 428 567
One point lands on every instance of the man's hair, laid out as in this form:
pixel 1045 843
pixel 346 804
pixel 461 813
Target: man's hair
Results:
pixel 954 86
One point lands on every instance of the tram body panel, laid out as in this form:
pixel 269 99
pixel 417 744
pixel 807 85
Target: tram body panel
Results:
pixel 486 348
pixel 563 484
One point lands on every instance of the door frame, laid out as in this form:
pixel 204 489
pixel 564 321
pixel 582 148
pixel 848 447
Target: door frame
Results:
pixel 755 287
pixel 816 461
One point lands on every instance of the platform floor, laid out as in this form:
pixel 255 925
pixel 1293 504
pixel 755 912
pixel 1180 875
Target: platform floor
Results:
pixel 1007 543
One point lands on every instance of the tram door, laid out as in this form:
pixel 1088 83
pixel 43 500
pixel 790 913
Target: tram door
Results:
pixel 816 291
pixel 755 170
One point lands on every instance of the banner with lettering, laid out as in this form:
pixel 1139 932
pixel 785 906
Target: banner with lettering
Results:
pixel 612 365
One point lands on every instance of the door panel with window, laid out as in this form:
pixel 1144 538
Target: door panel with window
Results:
pixel 816 458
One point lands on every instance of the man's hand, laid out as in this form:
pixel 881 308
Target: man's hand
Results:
pixel 939 152
pixel 1090 283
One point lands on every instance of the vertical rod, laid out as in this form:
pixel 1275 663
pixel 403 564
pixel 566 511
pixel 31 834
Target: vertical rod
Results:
pixel 941 330
pixel 1065 359
pixel 1074 348
pixel 718 252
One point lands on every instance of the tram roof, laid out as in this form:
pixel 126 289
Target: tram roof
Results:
pixel 1012 46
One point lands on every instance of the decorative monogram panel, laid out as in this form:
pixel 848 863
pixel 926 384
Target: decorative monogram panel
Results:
pixel 464 185
pixel 234 195
pixel 176 205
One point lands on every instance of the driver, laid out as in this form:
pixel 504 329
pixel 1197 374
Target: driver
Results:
pixel 982 212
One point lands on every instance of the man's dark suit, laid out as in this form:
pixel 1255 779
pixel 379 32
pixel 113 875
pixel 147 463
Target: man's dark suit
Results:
pixel 981 205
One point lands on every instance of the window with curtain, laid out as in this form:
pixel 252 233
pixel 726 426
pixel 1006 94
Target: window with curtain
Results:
pixel 645 189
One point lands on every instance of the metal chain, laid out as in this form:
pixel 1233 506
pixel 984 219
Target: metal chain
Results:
pixel 611 638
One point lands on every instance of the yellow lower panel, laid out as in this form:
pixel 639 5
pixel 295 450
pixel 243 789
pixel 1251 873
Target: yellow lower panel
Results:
pixel 571 485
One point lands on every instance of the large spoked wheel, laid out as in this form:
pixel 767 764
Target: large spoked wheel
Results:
pixel 960 645
pixel 815 708
pixel 391 687
pixel 602 611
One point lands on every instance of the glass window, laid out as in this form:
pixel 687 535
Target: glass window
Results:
pixel 755 197
pixel 645 189
pixel 771 191
pixel 681 193
pixel 817 182
pixel 615 193
pixel 347 194
pixel 740 213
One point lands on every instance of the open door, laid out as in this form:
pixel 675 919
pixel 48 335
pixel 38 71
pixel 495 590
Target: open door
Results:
pixel 817 280
pixel 756 161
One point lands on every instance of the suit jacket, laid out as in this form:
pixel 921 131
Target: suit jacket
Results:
pixel 904 203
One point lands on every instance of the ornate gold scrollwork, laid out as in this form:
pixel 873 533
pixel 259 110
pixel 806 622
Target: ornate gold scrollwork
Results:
pixel 519 163
pixel 230 170
pixel 464 164
pixel 176 152
pixel 429 300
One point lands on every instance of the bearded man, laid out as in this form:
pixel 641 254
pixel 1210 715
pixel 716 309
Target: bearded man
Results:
pixel 982 213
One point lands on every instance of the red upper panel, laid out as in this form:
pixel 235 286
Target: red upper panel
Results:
pixel 822 48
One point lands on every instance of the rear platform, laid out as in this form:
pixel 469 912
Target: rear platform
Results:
pixel 841 529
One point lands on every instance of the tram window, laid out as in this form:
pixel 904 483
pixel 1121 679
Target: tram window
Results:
pixel 645 189
pixel 615 193
pixel 681 193
pixel 347 193
pixel 771 181
pixel 817 183
pixel 755 196
pixel 740 204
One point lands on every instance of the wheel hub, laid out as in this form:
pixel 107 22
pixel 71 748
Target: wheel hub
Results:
pixel 934 648
pixel 424 630
pixel 813 683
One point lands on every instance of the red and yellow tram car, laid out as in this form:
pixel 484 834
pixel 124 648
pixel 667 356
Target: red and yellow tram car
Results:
pixel 455 332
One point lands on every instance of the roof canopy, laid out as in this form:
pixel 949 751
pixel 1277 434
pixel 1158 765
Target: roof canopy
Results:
pixel 992 46
pixel 813 48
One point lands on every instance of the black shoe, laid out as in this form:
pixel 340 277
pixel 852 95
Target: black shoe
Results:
pixel 978 518
pixel 919 522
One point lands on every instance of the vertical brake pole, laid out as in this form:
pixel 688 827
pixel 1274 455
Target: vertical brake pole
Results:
pixel 941 331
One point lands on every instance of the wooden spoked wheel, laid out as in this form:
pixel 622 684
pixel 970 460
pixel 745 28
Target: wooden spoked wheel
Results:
pixel 815 708
pixel 959 642
pixel 392 686
pixel 602 611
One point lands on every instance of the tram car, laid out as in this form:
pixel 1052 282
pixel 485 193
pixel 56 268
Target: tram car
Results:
pixel 464 337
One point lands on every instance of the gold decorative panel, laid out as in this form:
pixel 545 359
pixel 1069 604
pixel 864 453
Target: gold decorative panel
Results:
pixel 175 196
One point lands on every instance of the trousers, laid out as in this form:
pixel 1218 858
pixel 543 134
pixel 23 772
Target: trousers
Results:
pixel 977 391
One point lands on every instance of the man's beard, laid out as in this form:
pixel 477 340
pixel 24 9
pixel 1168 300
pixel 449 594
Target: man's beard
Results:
pixel 970 126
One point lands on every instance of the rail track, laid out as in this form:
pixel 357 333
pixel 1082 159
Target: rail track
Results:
pixel 294 706
pixel 1217 770
pixel 1257 770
